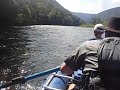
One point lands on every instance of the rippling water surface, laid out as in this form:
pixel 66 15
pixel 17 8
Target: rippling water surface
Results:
pixel 30 49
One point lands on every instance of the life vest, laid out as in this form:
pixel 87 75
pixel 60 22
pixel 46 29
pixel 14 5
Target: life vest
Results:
pixel 109 63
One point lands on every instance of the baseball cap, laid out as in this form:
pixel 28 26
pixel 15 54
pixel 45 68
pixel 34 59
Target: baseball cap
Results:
pixel 99 28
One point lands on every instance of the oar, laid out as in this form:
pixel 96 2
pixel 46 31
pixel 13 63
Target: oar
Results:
pixel 22 80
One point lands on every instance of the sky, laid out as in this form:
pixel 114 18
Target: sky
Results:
pixel 88 6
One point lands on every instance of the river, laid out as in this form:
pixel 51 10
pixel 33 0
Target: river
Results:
pixel 26 50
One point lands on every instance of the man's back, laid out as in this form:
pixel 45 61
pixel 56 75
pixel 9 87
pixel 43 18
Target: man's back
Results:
pixel 90 50
pixel 109 62
pixel 109 56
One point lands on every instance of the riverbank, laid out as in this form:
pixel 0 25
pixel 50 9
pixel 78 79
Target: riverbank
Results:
pixel 87 25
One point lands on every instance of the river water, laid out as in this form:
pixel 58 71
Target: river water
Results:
pixel 29 49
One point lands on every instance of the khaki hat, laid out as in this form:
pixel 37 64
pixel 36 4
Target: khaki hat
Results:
pixel 99 28
pixel 114 25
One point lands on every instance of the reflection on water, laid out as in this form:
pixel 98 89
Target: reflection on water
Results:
pixel 12 52
pixel 30 49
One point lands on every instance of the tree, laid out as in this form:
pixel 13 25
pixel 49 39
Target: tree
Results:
pixel 95 21
pixel 29 12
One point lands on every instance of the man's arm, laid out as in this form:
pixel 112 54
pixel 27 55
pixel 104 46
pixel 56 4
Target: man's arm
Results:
pixel 75 61
pixel 66 69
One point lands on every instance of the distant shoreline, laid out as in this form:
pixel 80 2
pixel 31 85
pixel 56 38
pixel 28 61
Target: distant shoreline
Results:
pixel 87 25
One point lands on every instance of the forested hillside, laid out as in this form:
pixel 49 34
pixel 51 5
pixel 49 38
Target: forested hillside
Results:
pixel 109 13
pixel 101 17
pixel 29 12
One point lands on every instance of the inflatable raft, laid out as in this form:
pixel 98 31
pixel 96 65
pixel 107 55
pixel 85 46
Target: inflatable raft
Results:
pixel 59 81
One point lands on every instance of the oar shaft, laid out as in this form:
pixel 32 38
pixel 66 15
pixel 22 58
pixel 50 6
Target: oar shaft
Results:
pixel 6 85
pixel 17 80
pixel 42 73
pixel 20 80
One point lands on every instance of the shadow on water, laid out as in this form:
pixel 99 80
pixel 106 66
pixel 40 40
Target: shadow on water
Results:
pixel 12 53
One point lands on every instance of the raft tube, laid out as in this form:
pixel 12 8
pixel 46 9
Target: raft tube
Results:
pixel 59 81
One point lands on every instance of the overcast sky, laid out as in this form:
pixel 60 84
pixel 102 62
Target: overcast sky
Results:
pixel 88 6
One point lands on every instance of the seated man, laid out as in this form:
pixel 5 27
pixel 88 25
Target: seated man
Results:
pixel 88 48
pixel 86 55
pixel 98 31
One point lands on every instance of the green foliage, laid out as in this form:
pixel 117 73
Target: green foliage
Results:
pixel 88 25
pixel 29 12
pixel 8 12
pixel 105 22
pixel 20 19
pixel 55 16
pixel 95 20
